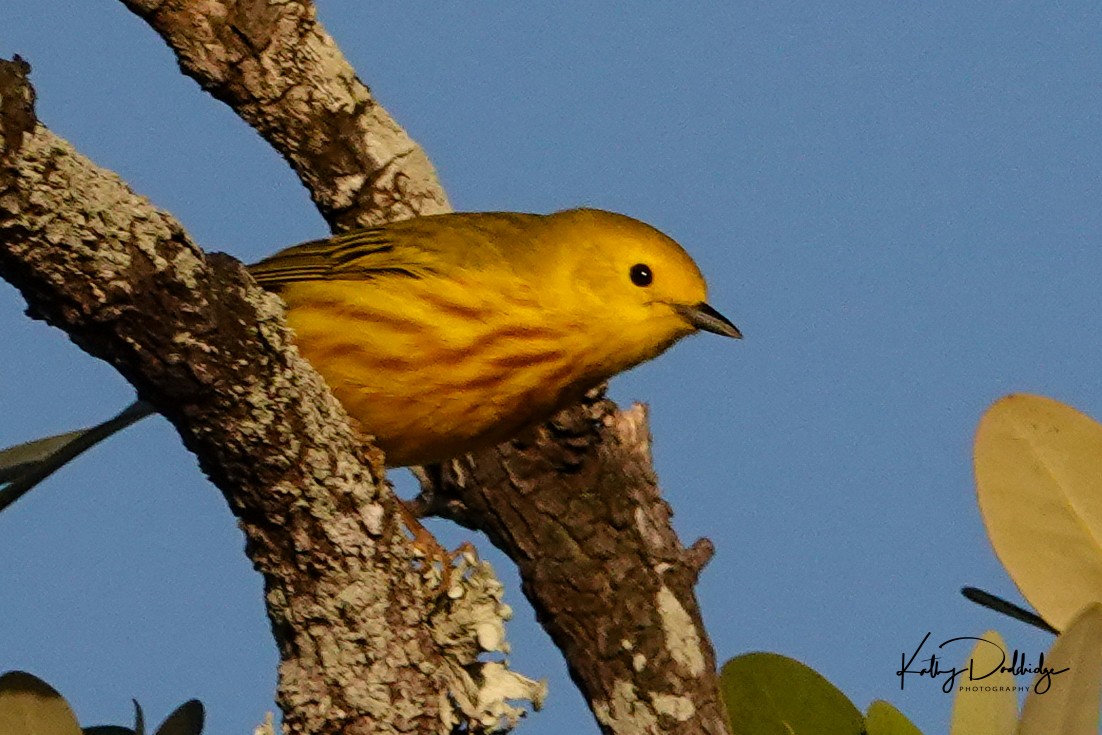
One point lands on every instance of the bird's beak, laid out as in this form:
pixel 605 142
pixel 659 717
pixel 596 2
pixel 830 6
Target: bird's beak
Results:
pixel 708 319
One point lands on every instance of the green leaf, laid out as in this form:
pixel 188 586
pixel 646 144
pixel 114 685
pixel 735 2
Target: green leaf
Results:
pixel 187 719
pixel 138 729
pixel 884 719
pixel 1038 469
pixel 992 707
pixel 30 706
pixel 139 719
pixel 1070 704
pixel 1007 608
pixel 768 694
pixel 16 460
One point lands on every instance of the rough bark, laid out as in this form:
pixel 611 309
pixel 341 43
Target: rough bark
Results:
pixel 616 591
pixel 276 67
pixel 367 642
pixel 577 506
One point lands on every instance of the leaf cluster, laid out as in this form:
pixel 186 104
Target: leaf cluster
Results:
pixel 1038 465
pixel 30 706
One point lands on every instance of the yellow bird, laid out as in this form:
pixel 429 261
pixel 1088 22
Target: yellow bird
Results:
pixel 445 334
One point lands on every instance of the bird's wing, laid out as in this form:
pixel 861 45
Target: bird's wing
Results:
pixel 357 255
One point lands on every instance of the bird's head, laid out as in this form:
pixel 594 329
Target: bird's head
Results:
pixel 645 289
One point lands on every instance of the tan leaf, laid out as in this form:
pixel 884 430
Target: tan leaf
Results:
pixel 30 706
pixel 1069 704
pixel 1038 466
pixel 988 706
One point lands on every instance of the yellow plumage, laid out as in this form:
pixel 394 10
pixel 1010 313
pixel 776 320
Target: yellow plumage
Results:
pixel 445 334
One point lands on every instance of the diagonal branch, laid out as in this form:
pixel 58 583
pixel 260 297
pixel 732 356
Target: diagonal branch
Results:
pixel 366 645
pixel 577 506
pixel 275 65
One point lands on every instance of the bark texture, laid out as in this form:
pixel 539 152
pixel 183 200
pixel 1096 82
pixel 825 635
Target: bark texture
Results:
pixel 576 504
pixel 367 644
pixel 276 67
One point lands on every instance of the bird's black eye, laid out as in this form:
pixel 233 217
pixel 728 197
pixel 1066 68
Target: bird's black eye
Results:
pixel 641 275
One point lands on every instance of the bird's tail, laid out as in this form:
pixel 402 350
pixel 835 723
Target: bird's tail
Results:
pixel 25 465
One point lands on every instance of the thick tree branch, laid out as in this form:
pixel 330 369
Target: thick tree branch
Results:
pixel 366 644
pixel 276 66
pixel 577 506
pixel 638 650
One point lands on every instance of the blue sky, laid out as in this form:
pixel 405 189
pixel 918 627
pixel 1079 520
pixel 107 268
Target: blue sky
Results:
pixel 898 204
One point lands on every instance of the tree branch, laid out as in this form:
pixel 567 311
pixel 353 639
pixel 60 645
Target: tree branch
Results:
pixel 638 650
pixel 276 66
pixel 366 644
pixel 577 506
